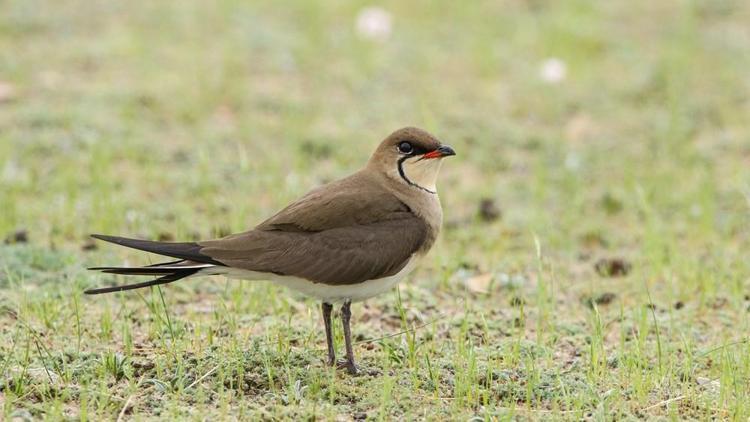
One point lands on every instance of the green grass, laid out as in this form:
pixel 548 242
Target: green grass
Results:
pixel 193 119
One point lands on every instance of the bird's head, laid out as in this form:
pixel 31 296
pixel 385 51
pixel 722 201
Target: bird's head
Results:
pixel 411 156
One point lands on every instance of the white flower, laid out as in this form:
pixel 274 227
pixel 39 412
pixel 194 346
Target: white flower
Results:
pixel 374 23
pixel 696 210
pixel 573 161
pixel 131 216
pixel 553 71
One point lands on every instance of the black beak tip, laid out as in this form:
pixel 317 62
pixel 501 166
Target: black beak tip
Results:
pixel 446 151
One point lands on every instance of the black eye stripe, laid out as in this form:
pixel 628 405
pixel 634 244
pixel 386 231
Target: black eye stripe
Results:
pixel 408 148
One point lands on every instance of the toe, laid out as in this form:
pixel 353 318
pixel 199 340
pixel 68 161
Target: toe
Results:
pixel 350 367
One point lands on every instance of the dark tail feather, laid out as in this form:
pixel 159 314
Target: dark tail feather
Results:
pixel 134 270
pixel 173 274
pixel 169 271
pixel 183 250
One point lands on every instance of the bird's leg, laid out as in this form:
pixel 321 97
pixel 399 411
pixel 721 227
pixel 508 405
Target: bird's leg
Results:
pixel 327 308
pixel 346 315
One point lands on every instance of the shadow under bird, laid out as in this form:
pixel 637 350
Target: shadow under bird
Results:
pixel 343 242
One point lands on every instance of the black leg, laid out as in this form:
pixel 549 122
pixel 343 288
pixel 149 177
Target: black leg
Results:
pixel 327 308
pixel 346 315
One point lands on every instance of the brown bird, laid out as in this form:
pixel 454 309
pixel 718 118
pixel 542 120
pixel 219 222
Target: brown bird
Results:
pixel 343 242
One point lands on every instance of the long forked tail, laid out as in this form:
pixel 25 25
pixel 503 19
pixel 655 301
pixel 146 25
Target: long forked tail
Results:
pixel 190 262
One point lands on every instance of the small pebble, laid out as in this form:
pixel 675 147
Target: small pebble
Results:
pixel 89 245
pixel 18 236
pixel 488 210
pixel 613 267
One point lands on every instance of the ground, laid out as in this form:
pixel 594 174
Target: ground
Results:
pixel 594 258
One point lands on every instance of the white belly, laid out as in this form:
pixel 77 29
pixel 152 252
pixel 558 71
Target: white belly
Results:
pixel 325 292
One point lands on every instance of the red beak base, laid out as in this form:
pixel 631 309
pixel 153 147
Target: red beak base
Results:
pixel 443 151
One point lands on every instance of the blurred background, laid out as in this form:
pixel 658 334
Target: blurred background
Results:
pixel 601 145
pixel 199 118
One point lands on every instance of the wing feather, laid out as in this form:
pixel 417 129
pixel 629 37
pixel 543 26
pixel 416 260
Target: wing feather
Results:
pixel 343 255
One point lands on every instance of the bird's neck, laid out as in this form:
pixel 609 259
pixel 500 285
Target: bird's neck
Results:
pixel 424 204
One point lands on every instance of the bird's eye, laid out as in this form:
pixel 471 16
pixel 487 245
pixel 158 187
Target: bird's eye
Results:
pixel 405 148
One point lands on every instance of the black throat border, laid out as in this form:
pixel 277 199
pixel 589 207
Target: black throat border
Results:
pixel 406 179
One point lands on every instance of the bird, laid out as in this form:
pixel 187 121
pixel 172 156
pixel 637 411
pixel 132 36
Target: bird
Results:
pixel 342 242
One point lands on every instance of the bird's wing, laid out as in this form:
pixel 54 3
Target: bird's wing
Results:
pixel 347 254
pixel 346 232
pixel 355 200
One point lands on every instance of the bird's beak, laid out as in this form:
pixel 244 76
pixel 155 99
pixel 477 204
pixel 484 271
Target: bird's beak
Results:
pixel 443 151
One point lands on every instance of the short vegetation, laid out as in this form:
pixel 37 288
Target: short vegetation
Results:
pixel 595 257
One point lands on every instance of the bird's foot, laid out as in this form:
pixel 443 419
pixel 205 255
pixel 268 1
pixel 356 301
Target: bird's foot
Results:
pixel 349 365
